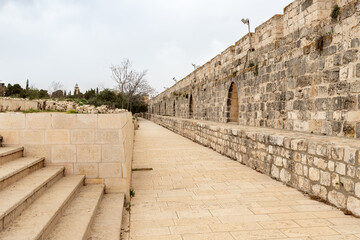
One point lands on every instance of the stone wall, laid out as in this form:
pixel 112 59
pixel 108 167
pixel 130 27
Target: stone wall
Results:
pixel 19 104
pixel 99 146
pixel 303 74
pixel 322 166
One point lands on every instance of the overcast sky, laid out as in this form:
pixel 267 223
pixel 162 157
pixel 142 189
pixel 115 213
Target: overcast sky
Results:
pixel 76 41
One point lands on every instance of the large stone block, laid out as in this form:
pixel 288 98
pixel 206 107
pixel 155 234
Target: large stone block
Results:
pixel 325 178
pixel 106 121
pixel 314 174
pixel 110 170
pixel 12 121
pixel 285 176
pixel 38 150
pixel 90 170
pixel 319 191
pixel 86 121
pixel 108 136
pixel 57 136
pixel 116 185
pixel 33 136
pixel 337 198
pixel 63 121
pixel 113 153
pixel 74 121
pixel 83 136
pixel 10 136
pixel 88 153
pixel 63 154
pixel 275 172
pixel 357 189
pixel 350 155
pixel 38 120
pixel 353 204
pixel 340 168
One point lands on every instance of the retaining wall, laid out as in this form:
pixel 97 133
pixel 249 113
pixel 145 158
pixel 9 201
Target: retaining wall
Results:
pixel 99 146
pixel 322 166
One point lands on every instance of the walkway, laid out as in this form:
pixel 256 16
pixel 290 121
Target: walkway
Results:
pixel 195 193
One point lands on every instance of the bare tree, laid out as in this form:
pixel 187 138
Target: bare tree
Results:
pixel 130 82
pixel 55 86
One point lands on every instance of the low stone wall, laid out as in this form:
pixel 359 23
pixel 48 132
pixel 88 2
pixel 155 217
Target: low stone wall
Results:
pixel 19 104
pixel 322 166
pixel 99 146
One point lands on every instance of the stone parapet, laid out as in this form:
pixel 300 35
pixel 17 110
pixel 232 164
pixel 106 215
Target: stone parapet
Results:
pixel 321 166
pixel 99 146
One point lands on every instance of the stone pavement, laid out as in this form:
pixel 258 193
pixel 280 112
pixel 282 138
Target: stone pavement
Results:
pixel 195 193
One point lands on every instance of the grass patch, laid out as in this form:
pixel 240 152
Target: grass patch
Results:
pixel 72 111
pixel 38 111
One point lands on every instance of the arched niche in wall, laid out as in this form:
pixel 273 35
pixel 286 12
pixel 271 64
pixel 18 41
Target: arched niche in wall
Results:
pixel 233 104
pixel 174 109
pixel 164 108
pixel 191 107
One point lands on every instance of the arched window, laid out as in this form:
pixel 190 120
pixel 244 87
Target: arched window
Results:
pixel 174 110
pixel 233 104
pixel 191 107
pixel 164 108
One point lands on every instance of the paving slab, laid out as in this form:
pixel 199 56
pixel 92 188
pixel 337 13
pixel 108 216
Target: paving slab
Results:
pixel 194 193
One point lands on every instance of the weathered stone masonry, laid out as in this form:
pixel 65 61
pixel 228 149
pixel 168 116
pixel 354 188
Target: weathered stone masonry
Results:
pixel 305 74
pixel 326 167
pixel 301 81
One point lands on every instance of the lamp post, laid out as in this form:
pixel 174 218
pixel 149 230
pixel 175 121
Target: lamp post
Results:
pixel 247 21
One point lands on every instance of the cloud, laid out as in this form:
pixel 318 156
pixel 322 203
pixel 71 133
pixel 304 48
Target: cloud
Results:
pixel 75 41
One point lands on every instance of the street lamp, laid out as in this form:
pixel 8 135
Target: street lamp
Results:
pixel 247 21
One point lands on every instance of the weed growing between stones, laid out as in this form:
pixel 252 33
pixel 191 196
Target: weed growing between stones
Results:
pixel 320 44
pixel 335 13
pixel 132 193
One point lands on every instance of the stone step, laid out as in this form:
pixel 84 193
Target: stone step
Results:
pixel 10 153
pixel 14 170
pixel 107 223
pixel 18 196
pixel 37 221
pixel 77 218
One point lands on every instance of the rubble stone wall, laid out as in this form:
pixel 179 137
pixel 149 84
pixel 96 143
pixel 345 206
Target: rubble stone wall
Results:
pixel 18 104
pixel 99 146
pixel 303 74
pixel 322 166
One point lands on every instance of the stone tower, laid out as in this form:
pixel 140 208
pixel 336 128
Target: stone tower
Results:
pixel 76 90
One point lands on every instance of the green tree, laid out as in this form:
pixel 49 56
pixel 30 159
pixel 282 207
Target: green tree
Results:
pixel 90 94
pixel 15 91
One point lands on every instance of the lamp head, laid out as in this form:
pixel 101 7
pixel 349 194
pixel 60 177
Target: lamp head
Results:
pixel 245 21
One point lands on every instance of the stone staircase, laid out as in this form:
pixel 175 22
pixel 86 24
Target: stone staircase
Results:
pixel 38 202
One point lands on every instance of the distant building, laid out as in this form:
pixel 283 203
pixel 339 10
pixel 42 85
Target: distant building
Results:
pixel 76 90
